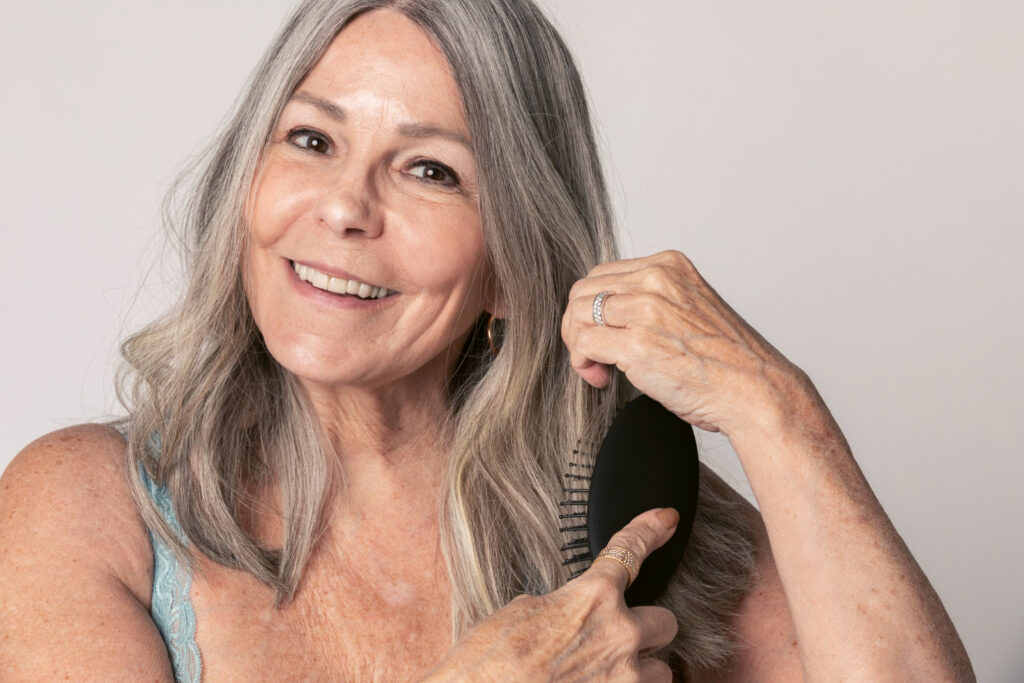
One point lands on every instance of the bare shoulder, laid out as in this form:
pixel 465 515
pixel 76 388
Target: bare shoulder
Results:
pixel 763 624
pixel 77 564
pixel 72 485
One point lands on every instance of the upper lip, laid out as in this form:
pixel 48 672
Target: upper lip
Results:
pixel 339 273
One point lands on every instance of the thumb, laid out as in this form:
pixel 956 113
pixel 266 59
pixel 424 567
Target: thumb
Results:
pixel 646 533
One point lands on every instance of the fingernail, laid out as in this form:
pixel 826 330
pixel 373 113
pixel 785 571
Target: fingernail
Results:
pixel 669 517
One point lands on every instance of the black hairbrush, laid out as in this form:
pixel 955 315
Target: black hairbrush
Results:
pixel 647 460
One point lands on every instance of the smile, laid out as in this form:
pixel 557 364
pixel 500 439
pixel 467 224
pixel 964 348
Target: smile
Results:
pixel 337 285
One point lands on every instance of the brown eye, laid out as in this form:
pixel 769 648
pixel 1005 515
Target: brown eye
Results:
pixel 309 139
pixel 435 173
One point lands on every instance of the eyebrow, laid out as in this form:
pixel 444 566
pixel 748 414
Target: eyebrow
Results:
pixel 409 130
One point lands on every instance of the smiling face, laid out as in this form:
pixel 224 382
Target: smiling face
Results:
pixel 368 186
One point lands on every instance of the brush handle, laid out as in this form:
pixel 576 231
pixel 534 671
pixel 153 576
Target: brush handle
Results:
pixel 647 460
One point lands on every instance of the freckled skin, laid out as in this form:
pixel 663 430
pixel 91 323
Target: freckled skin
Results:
pixel 75 552
pixel 348 194
pixel 357 203
pixel 354 195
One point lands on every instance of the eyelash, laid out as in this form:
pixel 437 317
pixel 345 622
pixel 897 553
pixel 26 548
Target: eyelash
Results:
pixel 299 132
pixel 453 177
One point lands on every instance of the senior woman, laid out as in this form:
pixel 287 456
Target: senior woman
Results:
pixel 347 441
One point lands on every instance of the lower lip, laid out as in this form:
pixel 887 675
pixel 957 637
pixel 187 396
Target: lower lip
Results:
pixel 325 298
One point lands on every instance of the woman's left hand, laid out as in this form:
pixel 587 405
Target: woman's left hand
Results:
pixel 678 342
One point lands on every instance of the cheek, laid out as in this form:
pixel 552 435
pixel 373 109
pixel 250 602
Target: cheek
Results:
pixel 451 253
pixel 281 196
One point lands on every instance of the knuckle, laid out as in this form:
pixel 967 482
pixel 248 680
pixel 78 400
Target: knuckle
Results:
pixel 641 340
pixel 522 599
pixel 646 530
pixel 650 306
pixel 632 633
pixel 678 292
pixel 677 259
pixel 632 539
pixel 594 590
pixel 653 276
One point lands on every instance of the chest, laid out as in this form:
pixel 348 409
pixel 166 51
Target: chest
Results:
pixel 354 621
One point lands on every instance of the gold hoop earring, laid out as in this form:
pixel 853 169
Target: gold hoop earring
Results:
pixel 490 334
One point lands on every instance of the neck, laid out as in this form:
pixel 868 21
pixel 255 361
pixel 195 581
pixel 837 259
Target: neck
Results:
pixel 390 445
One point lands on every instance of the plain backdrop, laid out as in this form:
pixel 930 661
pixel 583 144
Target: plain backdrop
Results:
pixel 848 176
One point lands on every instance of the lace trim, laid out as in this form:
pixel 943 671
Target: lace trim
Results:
pixel 171 606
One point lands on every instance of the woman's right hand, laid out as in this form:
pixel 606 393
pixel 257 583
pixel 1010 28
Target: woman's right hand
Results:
pixel 583 630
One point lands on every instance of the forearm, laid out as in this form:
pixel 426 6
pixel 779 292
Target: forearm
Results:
pixel 862 607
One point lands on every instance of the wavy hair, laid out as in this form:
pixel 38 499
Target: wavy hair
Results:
pixel 226 413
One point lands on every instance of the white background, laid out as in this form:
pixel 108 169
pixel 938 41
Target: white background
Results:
pixel 849 176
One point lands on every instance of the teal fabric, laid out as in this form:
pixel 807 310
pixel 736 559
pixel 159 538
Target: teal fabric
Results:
pixel 171 606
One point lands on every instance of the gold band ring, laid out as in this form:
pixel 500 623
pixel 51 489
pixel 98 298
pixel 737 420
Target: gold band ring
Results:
pixel 623 556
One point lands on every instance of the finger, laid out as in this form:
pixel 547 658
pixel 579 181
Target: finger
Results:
pixel 608 345
pixel 620 309
pixel 670 258
pixel 658 627
pixel 597 375
pixel 594 371
pixel 592 355
pixel 626 348
pixel 612 281
pixel 653 670
pixel 636 306
pixel 648 269
pixel 626 265
pixel 643 535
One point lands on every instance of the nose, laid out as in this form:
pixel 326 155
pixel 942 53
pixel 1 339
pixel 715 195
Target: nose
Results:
pixel 350 206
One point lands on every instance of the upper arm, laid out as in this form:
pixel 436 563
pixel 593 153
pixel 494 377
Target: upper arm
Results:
pixel 76 565
pixel 763 625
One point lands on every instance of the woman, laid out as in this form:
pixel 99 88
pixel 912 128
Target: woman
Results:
pixel 362 486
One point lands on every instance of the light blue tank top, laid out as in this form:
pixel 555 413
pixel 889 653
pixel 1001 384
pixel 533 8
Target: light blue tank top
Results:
pixel 171 606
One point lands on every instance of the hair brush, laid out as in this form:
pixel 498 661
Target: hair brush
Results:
pixel 648 459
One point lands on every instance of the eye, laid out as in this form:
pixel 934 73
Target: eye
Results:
pixel 304 138
pixel 435 173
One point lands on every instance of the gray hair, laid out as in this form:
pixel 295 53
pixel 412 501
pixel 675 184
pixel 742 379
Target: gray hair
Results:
pixel 227 413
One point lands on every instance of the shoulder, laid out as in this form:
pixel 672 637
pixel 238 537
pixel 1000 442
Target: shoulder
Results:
pixel 67 494
pixel 76 564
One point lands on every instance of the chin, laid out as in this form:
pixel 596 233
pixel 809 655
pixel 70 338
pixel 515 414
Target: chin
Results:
pixel 313 363
pixel 322 367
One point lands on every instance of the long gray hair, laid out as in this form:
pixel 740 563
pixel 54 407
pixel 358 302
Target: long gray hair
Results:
pixel 227 413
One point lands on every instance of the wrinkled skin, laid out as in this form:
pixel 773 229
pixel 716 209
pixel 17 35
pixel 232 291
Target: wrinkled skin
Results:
pixel 582 631
pixel 678 342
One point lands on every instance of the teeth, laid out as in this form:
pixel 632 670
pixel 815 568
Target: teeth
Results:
pixel 338 285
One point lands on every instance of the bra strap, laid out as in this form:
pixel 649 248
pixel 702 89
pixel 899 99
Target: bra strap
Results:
pixel 171 606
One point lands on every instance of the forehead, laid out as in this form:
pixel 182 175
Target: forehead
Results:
pixel 385 62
